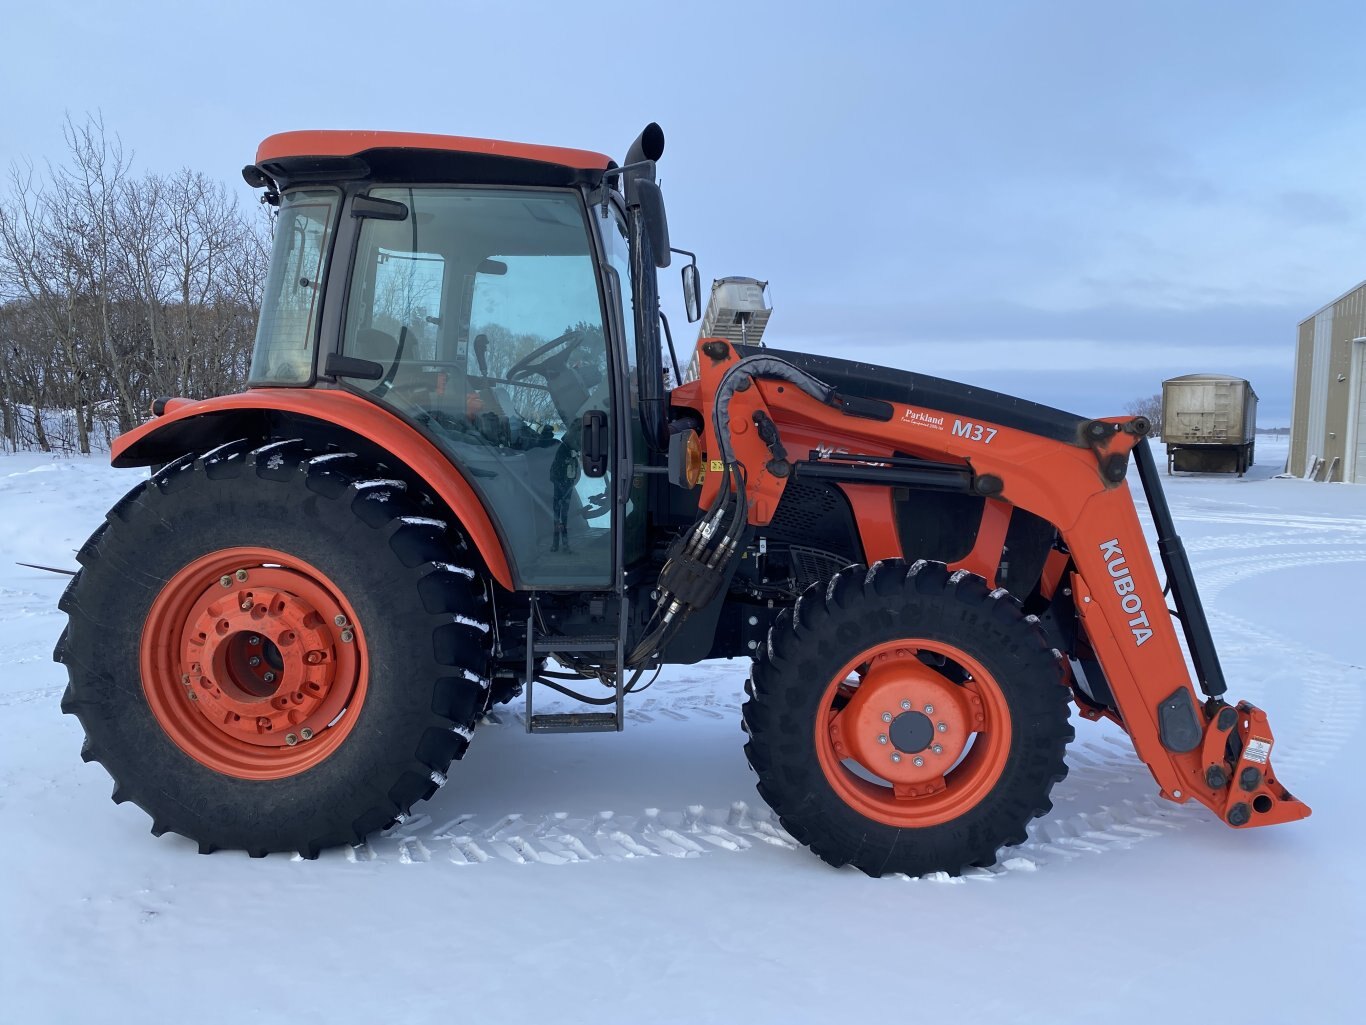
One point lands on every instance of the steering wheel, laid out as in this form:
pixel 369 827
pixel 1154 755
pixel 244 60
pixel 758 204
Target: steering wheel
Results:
pixel 537 362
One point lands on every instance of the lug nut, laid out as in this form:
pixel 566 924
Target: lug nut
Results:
pixel 268 677
pixel 347 636
pixel 938 749
pixel 929 710
pixel 241 575
pixel 291 739
pixel 886 716
pixel 943 727
pixel 905 706
pixel 253 640
pixel 305 734
pixel 254 661
pixel 896 757
pixel 246 605
pixel 882 738
pixel 340 620
pixel 918 761
pixel 225 581
pixel 193 696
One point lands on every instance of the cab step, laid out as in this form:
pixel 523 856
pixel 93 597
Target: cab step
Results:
pixel 573 722
pixel 610 652
pixel 548 645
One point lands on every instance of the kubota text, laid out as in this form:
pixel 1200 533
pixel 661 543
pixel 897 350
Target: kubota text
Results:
pixel 1129 600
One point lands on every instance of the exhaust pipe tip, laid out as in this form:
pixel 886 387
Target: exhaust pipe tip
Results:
pixel 649 145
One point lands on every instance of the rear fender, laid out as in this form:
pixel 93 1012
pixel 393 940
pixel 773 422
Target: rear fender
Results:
pixel 186 425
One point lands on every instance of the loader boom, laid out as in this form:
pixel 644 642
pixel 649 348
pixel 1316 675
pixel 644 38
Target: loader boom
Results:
pixel 1210 751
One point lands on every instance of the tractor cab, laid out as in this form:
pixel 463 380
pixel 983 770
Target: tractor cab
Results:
pixel 484 293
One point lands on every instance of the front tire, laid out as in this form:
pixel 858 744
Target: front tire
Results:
pixel 272 650
pixel 905 719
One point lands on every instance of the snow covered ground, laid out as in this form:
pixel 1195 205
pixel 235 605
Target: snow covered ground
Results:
pixel 638 877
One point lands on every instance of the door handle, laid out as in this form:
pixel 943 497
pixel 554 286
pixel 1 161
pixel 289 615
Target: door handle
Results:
pixel 594 443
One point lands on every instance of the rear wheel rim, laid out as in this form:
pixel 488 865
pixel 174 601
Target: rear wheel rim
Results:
pixel 911 744
pixel 253 663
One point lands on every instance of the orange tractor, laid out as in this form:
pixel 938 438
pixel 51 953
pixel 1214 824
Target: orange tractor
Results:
pixel 462 474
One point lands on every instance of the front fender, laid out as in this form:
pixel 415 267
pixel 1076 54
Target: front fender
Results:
pixel 187 425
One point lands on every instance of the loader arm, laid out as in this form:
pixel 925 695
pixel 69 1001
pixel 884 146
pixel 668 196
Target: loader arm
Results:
pixel 1208 750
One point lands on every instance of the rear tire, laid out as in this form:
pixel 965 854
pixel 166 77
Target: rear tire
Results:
pixel 163 665
pixel 950 675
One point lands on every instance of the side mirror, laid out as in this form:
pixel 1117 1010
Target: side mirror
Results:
pixel 649 200
pixel 692 292
pixel 378 209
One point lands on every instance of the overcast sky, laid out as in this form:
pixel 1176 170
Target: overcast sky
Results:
pixel 1066 200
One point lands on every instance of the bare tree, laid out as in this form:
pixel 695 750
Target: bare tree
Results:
pixel 1151 407
pixel 127 287
pixel 34 271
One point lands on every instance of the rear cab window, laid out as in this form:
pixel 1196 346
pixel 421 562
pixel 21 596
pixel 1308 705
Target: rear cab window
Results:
pixel 287 333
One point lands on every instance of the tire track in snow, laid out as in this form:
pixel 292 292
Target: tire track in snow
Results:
pixel 1330 708
pixel 559 838
pixel 1107 803
pixel 1248 542
pixel 1288 521
pixel 26 697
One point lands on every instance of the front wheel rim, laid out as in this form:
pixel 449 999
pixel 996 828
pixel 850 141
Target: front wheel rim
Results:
pixel 253 663
pixel 903 742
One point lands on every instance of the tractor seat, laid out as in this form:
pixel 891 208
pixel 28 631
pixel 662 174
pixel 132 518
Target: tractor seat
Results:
pixel 373 344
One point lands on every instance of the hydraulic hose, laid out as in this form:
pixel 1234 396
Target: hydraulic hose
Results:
pixel 695 572
pixel 758 366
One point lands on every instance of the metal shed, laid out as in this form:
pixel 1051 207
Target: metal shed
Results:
pixel 1328 426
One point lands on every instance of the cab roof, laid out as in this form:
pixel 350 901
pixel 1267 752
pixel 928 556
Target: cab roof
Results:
pixel 317 156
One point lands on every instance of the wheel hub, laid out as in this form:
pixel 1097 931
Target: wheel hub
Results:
pixel 911 732
pixel 905 723
pixel 252 664
pixel 261 660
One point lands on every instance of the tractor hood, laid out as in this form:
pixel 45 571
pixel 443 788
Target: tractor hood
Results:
pixel 867 380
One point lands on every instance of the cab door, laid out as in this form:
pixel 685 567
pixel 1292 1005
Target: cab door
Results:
pixel 483 308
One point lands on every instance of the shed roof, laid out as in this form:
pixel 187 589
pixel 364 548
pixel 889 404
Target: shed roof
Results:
pixel 1350 291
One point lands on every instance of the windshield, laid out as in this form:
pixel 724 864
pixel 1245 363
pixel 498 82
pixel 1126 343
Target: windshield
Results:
pixel 288 328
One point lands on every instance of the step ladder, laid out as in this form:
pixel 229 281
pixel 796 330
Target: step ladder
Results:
pixel 611 645
pixel 1223 413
